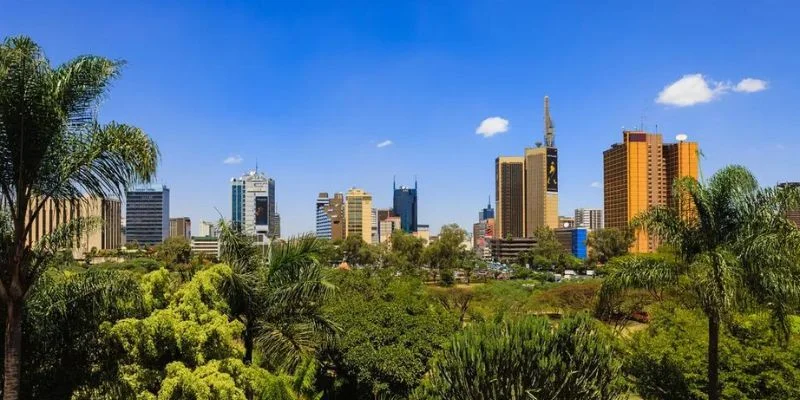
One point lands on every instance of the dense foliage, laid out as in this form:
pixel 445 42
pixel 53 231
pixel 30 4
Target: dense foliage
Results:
pixel 527 359
pixel 390 328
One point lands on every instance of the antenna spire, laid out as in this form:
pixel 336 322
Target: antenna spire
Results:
pixel 549 129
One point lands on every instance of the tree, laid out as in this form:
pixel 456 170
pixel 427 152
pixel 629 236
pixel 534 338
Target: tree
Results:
pixel 52 147
pixel 174 250
pixel 390 328
pixel 605 244
pixel 527 358
pixel 448 252
pixel 277 296
pixel 735 249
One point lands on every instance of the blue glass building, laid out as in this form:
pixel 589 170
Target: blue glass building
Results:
pixel 405 206
pixel 487 212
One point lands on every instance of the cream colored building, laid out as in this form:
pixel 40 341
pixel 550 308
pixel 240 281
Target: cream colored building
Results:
pixel 54 213
pixel 387 226
pixel 358 215
pixel 208 245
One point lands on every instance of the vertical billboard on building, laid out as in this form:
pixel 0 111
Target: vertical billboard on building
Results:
pixel 262 210
pixel 552 169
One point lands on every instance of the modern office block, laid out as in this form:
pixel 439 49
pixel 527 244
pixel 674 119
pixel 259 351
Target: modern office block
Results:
pixel 358 216
pixel 405 206
pixel 180 227
pixel 147 215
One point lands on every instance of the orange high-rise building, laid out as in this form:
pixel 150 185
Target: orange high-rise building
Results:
pixel 639 174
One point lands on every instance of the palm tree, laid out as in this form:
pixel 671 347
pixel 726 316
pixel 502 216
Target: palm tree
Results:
pixel 52 147
pixel 278 295
pixel 735 248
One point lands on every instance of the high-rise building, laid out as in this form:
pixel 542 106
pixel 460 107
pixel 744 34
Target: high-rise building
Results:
pixel 374 236
pixel 147 215
pixel 358 216
pixel 180 227
pixel 510 197
pixel 638 174
pixel 54 213
pixel 526 188
pixel 589 218
pixel 331 216
pixel 405 206
pixel 541 180
pixel 323 227
pixel 253 205
pixel 487 212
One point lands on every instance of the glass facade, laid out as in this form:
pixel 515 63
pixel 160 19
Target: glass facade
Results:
pixel 405 206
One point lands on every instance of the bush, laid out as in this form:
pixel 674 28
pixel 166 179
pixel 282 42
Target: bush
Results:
pixel 528 358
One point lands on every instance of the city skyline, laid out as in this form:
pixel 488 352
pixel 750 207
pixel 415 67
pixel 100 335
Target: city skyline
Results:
pixel 405 88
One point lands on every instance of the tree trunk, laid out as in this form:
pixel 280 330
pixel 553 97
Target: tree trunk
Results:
pixel 248 342
pixel 713 358
pixel 13 350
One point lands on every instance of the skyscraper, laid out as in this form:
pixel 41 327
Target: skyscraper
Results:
pixel 180 227
pixel 487 212
pixel 405 206
pixel 638 174
pixel 589 218
pixel 253 205
pixel 147 215
pixel 541 180
pixel 323 228
pixel 510 197
pixel 358 216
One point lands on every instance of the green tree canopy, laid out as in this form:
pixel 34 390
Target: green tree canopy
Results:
pixel 605 244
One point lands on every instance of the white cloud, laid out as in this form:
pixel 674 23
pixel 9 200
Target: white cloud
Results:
pixel 750 85
pixel 690 90
pixel 237 159
pixel 492 126
pixel 596 185
pixel 385 143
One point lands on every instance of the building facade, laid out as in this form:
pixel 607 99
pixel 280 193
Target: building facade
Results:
pixel 487 212
pixel 208 245
pixel 510 197
pixel 638 174
pixel 405 206
pixel 331 213
pixel 180 227
pixel 253 206
pixel 55 213
pixel 358 216
pixel 147 216
pixel 208 229
pixel 507 250
pixel 589 218
pixel 387 226
pixel 573 240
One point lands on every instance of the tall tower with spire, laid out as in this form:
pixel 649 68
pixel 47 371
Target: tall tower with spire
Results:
pixel 541 180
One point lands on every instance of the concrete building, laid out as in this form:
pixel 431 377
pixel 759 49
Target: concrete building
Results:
pixel 55 213
pixel 510 197
pixel 331 216
pixel 405 205
pixel 358 216
pixel 208 245
pixel 573 240
pixel 566 222
pixel 590 218
pixel 374 236
pixel 147 215
pixel 180 227
pixel 387 226
pixel 423 232
pixel 638 174
pixel 253 206
pixel 507 250
pixel 208 229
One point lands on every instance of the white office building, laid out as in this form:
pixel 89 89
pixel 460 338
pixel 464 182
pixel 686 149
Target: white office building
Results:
pixel 590 218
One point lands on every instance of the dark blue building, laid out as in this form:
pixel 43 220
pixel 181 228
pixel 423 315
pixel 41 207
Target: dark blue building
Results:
pixel 405 206
pixel 487 212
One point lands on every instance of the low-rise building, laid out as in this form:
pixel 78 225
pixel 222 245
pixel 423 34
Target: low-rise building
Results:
pixel 208 245
pixel 507 250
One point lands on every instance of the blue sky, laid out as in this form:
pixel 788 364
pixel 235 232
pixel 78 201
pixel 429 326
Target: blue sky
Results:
pixel 309 89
